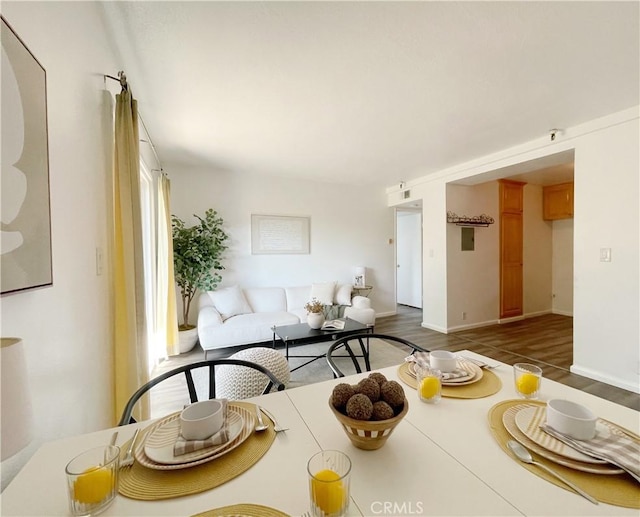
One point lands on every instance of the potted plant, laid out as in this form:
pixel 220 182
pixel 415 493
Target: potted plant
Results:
pixel 197 251
pixel 315 313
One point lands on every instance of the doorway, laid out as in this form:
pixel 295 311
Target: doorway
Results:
pixel 409 257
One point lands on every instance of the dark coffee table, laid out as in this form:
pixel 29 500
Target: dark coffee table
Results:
pixel 303 334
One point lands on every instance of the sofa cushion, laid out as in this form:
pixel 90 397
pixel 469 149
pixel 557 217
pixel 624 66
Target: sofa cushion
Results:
pixel 250 328
pixel 343 294
pixel 296 298
pixel 323 292
pixel 229 302
pixel 266 299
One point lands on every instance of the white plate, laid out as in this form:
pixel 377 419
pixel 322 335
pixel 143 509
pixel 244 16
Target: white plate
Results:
pixel 160 442
pixel 474 373
pixel 509 421
pixel 197 457
pixel 529 420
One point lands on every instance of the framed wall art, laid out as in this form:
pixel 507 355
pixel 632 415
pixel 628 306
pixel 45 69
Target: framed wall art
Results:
pixel 279 234
pixel 25 258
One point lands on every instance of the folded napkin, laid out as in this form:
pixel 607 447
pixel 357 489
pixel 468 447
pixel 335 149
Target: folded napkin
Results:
pixel 620 450
pixel 183 446
pixel 422 359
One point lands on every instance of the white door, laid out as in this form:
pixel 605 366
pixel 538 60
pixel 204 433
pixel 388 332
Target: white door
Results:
pixel 409 257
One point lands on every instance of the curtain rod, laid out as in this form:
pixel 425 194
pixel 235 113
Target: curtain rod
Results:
pixel 122 79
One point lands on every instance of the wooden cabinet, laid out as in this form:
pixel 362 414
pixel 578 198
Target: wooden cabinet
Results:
pixel 558 201
pixel 511 248
pixel 511 198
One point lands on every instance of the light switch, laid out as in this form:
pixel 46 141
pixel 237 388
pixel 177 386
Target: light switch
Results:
pixel 99 261
pixel 605 254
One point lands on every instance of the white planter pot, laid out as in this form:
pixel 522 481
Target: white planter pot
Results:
pixel 315 320
pixel 188 339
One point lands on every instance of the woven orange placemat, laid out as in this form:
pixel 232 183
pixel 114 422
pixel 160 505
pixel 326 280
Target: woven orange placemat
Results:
pixel 619 490
pixel 138 482
pixel 242 510
pixel 489 384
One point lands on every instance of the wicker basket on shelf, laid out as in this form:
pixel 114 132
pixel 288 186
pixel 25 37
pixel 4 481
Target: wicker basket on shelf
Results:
pixel 369 434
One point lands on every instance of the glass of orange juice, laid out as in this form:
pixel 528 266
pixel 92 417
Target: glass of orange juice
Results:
pixel 527 379
pixel 429 384
pixel 329 478
pixel 92 480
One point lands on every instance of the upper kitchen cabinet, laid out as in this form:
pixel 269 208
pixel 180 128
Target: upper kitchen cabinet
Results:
pixel 558 201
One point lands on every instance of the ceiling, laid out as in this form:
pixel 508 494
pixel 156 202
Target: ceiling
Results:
pixel 368 92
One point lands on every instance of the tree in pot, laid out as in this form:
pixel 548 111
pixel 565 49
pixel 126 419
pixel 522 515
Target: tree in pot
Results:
pixel 197 251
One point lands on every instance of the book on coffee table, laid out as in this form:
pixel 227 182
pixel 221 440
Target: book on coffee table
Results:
pixel 333 325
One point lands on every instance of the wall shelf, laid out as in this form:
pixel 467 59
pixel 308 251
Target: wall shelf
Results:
pixel 474 221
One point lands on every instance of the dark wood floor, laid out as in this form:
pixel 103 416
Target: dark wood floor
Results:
pixel 546 341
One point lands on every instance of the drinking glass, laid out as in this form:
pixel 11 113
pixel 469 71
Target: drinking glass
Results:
pixel 429 384
pixel 329 477
pixel 527 379
pixel 92 480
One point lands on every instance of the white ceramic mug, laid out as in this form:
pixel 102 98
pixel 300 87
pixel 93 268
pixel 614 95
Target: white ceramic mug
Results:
pixel 201 419
pixel 443 360
pixel 571 419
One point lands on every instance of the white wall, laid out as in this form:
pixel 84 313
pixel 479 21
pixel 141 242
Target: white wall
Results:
pixel 606 295
pixel 537 251
pixel 66 328
pixel 606 304
pixel 473 278
pixel 350 226
pixel 562 268
pixel 434 255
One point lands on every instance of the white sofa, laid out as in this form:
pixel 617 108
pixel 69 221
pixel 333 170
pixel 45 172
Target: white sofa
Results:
pixel 239 316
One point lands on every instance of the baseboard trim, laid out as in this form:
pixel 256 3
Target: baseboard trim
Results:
pixel 524 316
pixel 563 313
pixel 384 314
pixel 434 327
pixel 537 313
pixel 458 328
pixel 511 320
pixel 598 376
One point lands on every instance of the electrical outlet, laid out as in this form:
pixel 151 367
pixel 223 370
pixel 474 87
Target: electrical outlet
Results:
pixel 464 315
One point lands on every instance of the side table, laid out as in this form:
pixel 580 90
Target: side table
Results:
pixel 363 290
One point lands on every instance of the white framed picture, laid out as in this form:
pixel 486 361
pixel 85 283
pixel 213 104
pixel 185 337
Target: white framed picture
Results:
pixel 279 234
pixel 25 258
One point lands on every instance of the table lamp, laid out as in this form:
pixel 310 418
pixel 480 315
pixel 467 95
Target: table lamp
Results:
pixel 16 425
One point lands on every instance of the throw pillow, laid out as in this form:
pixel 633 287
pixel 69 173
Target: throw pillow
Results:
pixel 230 301
pixel 343 294
pixel 323 292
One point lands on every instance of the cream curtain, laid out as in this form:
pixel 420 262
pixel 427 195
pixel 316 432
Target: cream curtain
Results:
pixel 130 346
pixel 166 317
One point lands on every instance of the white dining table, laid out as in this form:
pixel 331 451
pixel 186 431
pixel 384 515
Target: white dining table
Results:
pixel 441 459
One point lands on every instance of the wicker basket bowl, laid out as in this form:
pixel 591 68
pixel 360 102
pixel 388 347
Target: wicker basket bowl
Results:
pixel 369 434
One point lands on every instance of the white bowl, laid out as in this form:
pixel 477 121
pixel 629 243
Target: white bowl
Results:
pixel 201 419
pixel 571 419
pixel 443 360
